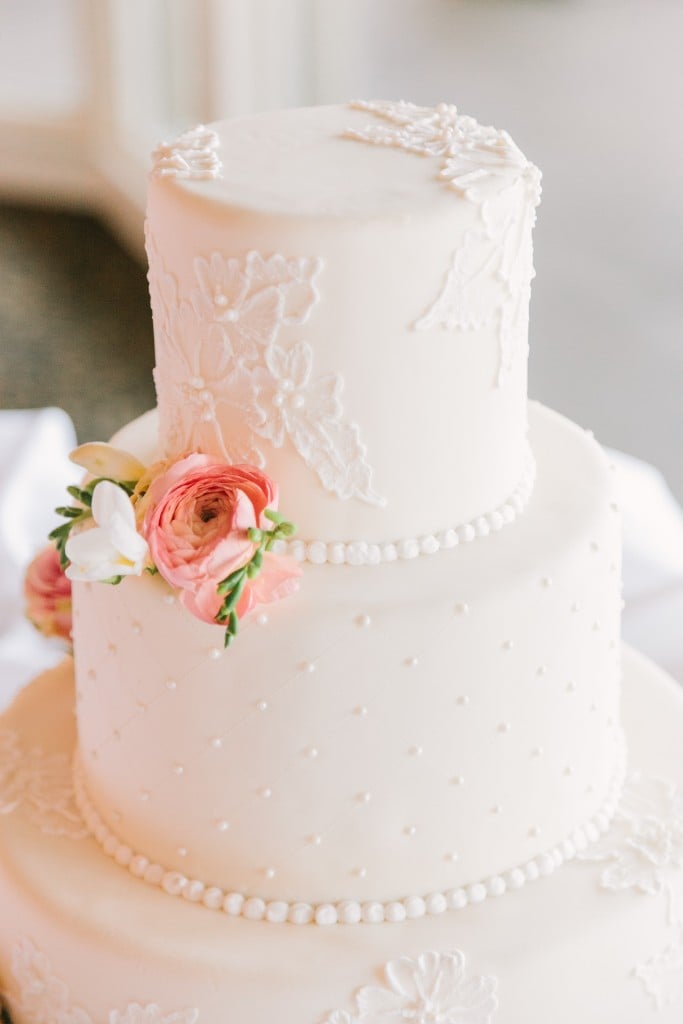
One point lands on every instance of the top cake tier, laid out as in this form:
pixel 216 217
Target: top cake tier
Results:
pixel 340 296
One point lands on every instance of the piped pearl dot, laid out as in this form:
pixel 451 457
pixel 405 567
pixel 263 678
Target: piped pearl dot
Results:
pixel 262 619
pixel 315 840
pixel 307 666
pixel 360 872
pixel 411 662
pixel 136 628
pixel 546 581
pixel 311 753
pixel 462 700
pixel 410 830
pixel 361 711
pixel 169 598
pixel 182 851
pixel 269 873
pixel 222 825
pixel 111 648
pixel 262 705
pixel 216 743
pixel 416 751
pixel 457 780
pixel 92 675
pixel 364 621
pixel 541 670
pixel 215 653
pixel 461 608
pixel 497 809
pixel 534 832
pixel 116 734
pixel 504 727
pixel 171 684
pixel 365 798
pixel 451 858
pixel 537 752
pixel 568 770
pixel 507 645
pixel 178 769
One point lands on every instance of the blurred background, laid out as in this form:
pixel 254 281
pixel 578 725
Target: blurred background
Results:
pixel 590 89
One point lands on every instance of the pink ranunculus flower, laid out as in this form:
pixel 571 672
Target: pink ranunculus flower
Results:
pixel 48 594
pixel 197 514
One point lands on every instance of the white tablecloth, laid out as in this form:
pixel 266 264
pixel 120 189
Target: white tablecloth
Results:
pixel 34 471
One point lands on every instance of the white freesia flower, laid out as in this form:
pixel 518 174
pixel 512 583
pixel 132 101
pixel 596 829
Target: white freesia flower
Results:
pixel 112 547
pixel 102 459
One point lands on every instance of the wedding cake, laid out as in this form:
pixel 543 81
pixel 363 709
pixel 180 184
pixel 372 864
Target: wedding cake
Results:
pixel 323 776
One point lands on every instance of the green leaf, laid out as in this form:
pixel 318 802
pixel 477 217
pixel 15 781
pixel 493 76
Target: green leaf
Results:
pixel 233 597
pixel 255 535
pixel 114 580
pixel 152 570
pixel 68 511
pixel 59 532
pixel 226 585
pixel 275 517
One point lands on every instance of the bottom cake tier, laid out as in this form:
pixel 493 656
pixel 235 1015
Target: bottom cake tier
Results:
pixel 83 942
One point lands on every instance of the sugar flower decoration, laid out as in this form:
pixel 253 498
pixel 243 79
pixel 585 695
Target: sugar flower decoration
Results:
pixel 47 593
pixel 112 547
pixel 206 526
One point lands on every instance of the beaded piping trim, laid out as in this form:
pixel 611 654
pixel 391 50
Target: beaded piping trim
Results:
pixel 254 908
pixel 361 552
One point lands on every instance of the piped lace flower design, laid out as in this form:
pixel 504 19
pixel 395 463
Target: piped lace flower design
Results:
pixel 662 975
pixel 43 998
pixel 41 785
pixel 432 989
pixel 489 280
pixel 639 852
pixel 222 353
pixel 646 839
pixel 192 155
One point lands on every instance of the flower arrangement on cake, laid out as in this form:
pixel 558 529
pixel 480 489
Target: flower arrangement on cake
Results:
pixel 207 527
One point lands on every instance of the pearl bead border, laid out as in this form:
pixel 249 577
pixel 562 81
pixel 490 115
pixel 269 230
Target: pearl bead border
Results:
pixel 361 552
pixel 255 908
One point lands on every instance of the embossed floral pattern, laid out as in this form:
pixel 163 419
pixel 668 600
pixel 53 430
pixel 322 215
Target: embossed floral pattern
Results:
pixel 662 975
pixel 432 989
pixel 152 1014
pixel 488 282
pixel 41 784
pixel 192 155
pixel 43 998
pixel 646 838
pixel 221 353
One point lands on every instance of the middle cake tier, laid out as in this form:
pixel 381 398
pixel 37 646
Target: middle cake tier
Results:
pixel 389 731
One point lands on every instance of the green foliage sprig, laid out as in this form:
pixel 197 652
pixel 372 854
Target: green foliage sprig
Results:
pixel 232 587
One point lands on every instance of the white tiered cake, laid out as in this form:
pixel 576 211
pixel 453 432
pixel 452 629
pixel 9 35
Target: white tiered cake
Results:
pixel 433 721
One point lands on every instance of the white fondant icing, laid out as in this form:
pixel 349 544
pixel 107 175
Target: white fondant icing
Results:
pixel 384 254
pixel 256 908
pixel 221 350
